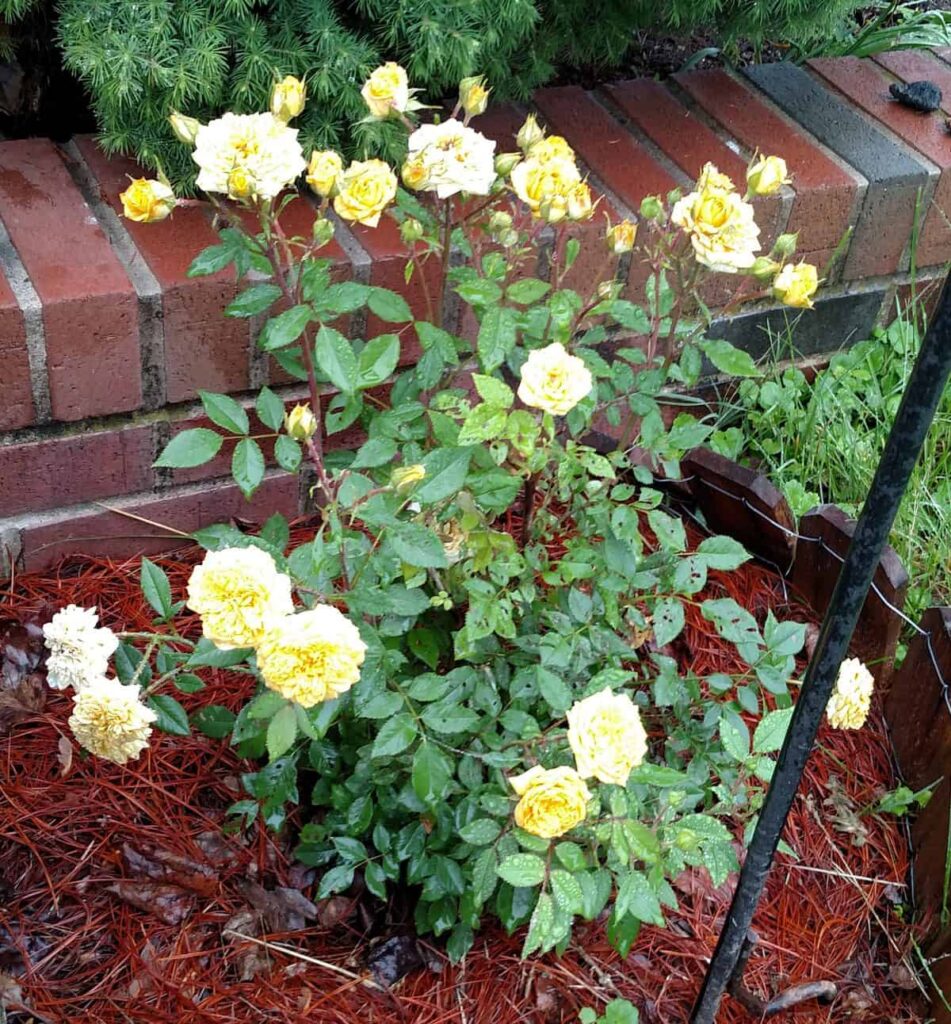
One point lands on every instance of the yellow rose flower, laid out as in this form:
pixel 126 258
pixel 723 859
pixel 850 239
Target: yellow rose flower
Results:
pixel 300 423
pixel 849 704
pixel 240 184
pixel 553 800
pixel 529 134
pixel 544 186
pixel 405 477
pixel 364 191
pixel 473 95
pixel 110 720
pixel 238 593
pixel 606 736
pixel 711 178
pixel 580 206
pixel 312 656
pixel 767 175
pixel 185 128
pixel 287 98
pixel 621 237
pixel 796 285
pixel 386 91
pixel 553 380
pixel 322 171
pixel 415 173
pixel 721 227
pixel 555 147
pixel 147 201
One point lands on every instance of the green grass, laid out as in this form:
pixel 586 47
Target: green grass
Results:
pixel 821 442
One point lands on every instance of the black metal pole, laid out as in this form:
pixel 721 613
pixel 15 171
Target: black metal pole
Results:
pixel 915 414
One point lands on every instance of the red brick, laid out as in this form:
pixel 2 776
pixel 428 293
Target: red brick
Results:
pixel 866 85
pixel 203 348
pixel 101 533
pixel 914 65
pixel 16 403
pixel 36 475
pixel 611 152
pixel 825 192
pixel 90 309
pixel 689 143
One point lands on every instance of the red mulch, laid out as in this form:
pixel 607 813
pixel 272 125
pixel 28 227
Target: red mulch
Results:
pixel 71 949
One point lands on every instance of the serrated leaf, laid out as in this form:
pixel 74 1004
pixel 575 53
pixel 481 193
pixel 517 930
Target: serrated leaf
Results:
pixel 450 717
pixel 480 832
pixel 336 359
pixel 155 588
pixel 527 290
pixel 270 409
pixel 416 545
pixel 190 448
pixel 171 717
pixel 431 773
pixel 729 359
pixel 395 735
pixel 253 300
pixel 285 328
pixel 771 731
pixel 247 466
pixel 566 892
pixel 224 411
pixel 281 732
pixel 493 390
pixel 722 553
pixel 446 470
pixel 540 926
pixel 522 869
pixel 667 620
pixel 214 720
pixel 378 360
pixel 389 306
pixel 287 453
pixel 497 334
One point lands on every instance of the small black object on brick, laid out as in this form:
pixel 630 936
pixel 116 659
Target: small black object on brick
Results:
pixel 923 96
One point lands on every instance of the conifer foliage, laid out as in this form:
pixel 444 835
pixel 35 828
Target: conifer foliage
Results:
pixel 139 59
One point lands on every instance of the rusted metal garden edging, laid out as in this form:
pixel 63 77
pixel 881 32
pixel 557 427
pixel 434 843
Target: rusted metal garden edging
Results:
pixel 739 501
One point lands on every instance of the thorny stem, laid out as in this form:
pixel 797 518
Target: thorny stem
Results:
pixel 444 267
pixel 528 497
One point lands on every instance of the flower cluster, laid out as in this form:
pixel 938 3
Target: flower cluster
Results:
pixel 78 648
pixel 244 601
pixel 608 741
pixel 108 719
pixel 851 699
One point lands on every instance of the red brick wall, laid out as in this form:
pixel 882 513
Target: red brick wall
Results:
pixel 104 340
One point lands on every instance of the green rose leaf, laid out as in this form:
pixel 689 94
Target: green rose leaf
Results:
pixel 213 720
pixel 378 360
pixel 771 731
pixel 285 328
pixel 190 448
pixel 336 359
pixel 270 409
pixel 171 717
pixel 225 412
pixel 155 588
pixel 254 300
pixel 395 735
pixel 497 334
pixel 416 545
pixel 389 306
pixel 247 466
pixel 729 359
pixel 522 869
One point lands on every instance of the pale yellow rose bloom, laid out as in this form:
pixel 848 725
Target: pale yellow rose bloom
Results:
pixel 555 147
pixel 851 699
pixel 473 95
pixel 287 98
pixel 147 201
pixel 364 190
pixel 238 592
pixel 241 184
pixel 415 173
pixel 405 477
pixel 767 175
pixel 300 423
pixel 185 128
pixel 711 177
pixel 312 656
pixel 111 721
pixel 529 134
pixel 796 285
pixel 322 171
pixel 580 205
pixel 386 91
pixel 621 237
pixel 544 186
pixel 606 736
pixel 553 380
pixel 722 229
pixel 552 800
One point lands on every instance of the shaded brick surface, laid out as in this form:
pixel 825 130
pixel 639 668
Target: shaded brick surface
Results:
pixel 885 221
pixel 90 310
pixel 16 399
pixel 66 470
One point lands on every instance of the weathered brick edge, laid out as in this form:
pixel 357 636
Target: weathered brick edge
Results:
pixel 104 340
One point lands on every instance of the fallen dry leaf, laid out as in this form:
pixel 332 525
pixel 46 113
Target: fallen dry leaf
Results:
pixel 169 903
pixel 250 958
pixel 394 958
pixel 283 910
pixel 64 754
pixel 165 866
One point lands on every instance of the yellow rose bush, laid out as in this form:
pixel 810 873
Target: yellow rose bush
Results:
pixel 439 662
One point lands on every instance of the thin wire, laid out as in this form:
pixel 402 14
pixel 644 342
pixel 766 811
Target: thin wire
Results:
pixel 945 688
